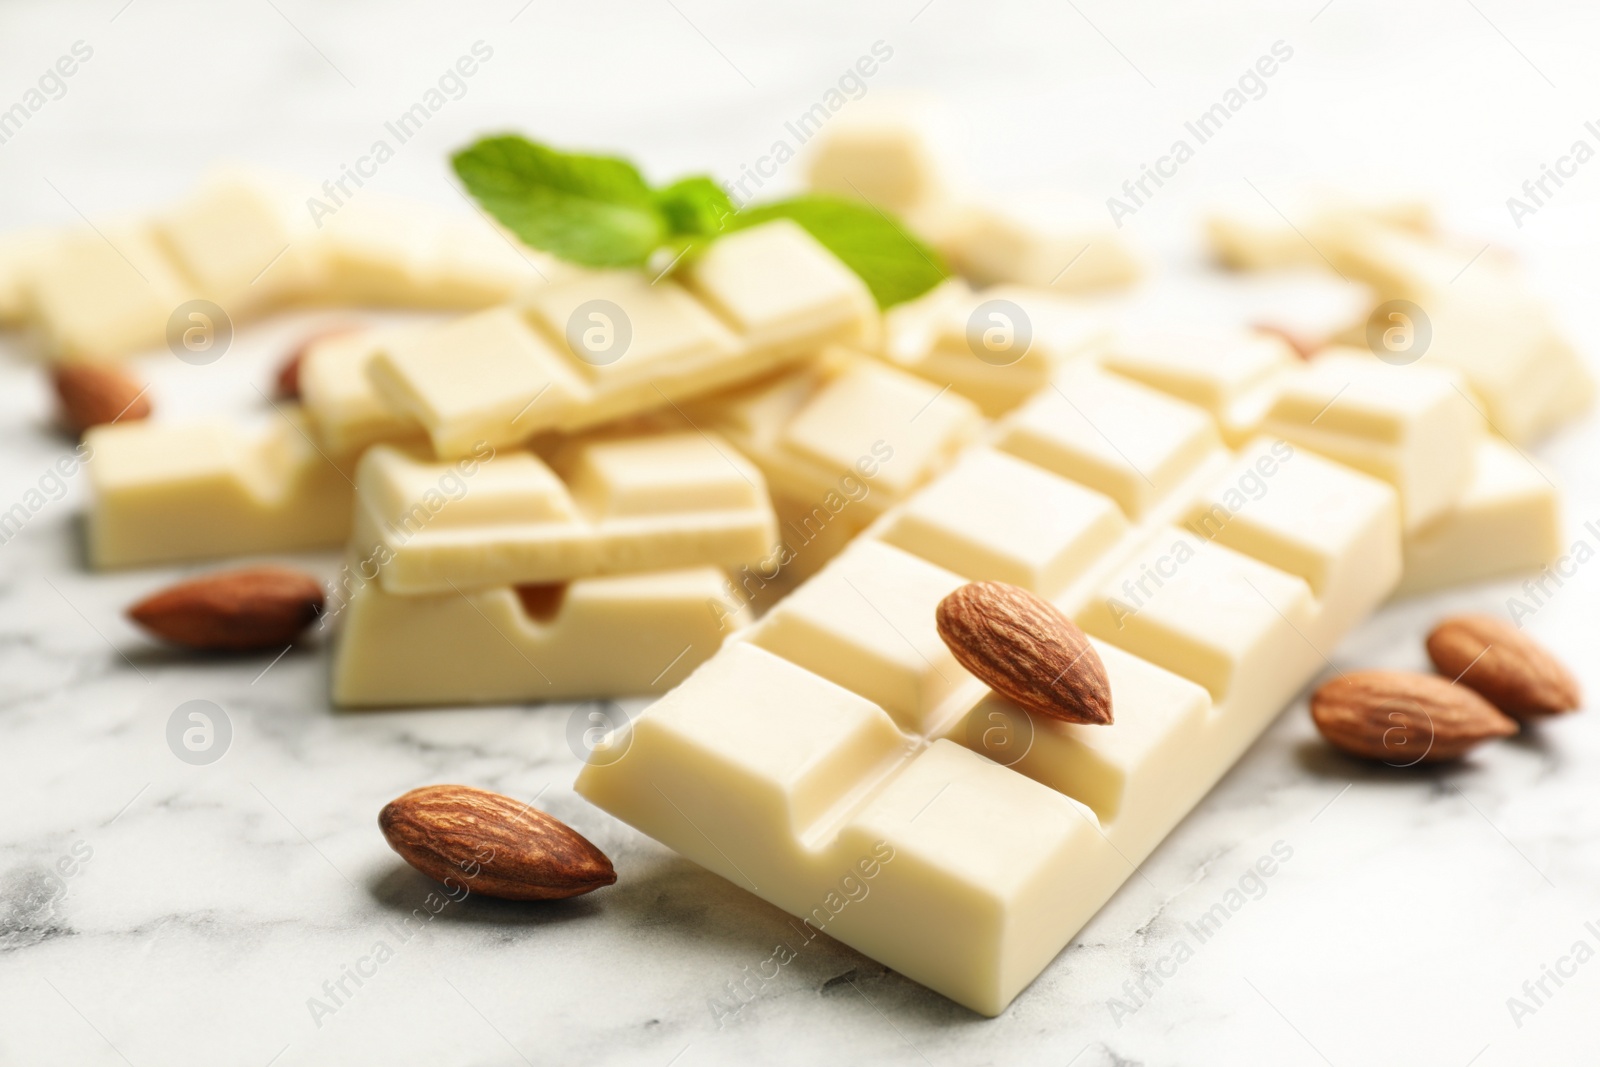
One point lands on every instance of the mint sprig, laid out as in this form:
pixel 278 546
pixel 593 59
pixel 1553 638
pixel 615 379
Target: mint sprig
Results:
pixel 598 211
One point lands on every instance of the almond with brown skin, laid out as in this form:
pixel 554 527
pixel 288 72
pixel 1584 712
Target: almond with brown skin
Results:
pixel 1515 673
pixel 1023 647
pixel 91 395
pixel 1403 718
pixel 233 611
pixel 492 844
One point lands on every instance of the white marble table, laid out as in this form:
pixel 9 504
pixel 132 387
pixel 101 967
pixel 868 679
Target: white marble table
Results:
pixel 210 914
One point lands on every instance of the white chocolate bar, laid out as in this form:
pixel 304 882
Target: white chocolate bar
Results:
pixel 595 638
pixel 647 503
pixel 166 492
pixel 838 736
pixel 340 399
pixel 1508 521
pixel 1416 427
pixel 996 347
pixel 96 295
pixel 607 345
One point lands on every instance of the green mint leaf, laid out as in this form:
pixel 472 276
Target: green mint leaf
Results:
pixel 593 210
pixel 598 211
pixel 695 206
pixel 895 265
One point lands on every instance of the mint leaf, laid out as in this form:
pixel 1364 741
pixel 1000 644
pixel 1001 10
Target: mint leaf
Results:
pixel 593 210
pixel 695 206
pixel 598 211
pixel 895 265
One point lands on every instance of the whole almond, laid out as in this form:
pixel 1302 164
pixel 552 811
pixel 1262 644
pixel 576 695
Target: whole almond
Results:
pixel 90 395
pixel 1403 718
pixel 1023 647
pixel 492 844
pixel 235 611
pixel 1515 673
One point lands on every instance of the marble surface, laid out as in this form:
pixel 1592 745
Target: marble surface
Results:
pixel 158 912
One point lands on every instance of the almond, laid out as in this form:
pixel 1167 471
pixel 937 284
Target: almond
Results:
pixel 1025 649
pixel 236 611
pixel 92 396
pixel 492 844
pixel 1403 718
pixel 1515 673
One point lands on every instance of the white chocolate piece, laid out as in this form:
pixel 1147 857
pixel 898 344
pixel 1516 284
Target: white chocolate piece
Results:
pixel 881 154
pixel 648 503
pixel 475 381
pixel 1201 610
pixel 18 253
pixel 1413 426
pixel 379 251
pixel 1321 517
pixel 165 493
pixel 505 374
pixel 1483 322
pixel 778 288
pixel 1235 379
pixel 245 240
pixel 596 638
pixel 100 294
pixel 1251 234
pixel 1403 263
pixel 993 517
pixel 866 622
pixel 997 347
pixel 852 430
pixel 766 771
pixel 1159 726
pixel 340 399
pixel 1045 241
pixel 1507 522
pixel 670 329
pixel 1116 436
